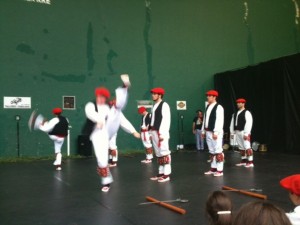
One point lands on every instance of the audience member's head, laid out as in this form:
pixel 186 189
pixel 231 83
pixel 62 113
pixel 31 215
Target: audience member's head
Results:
pixel 219 208
pixel 292 184
pixel 261 213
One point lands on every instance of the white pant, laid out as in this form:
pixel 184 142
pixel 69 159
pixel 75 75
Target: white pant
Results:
pixel 100 141
pixel 243 145
pixel 113 146
pixel 58 142
pixel 161 149
pixel 145 136
pixel 215 147
pixel 241 142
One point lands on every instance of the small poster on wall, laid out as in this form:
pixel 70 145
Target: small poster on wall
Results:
pixel 181 105
pixel 69 102
pixel 16 102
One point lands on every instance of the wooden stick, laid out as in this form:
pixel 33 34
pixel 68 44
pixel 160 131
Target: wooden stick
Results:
pixel 248 193
pixel 166 205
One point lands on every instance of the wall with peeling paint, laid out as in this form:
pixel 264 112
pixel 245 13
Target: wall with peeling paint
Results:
pixel 70 47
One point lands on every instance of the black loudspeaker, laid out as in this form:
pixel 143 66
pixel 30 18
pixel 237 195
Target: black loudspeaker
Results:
pixel 85 147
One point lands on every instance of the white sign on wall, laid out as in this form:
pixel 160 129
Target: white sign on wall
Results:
pixel 145 103
pixel 16 102
pixel 181 105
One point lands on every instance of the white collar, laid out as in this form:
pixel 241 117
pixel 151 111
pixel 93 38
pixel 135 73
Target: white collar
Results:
pixel 297 209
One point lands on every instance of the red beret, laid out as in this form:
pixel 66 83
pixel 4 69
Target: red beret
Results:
pixel 57 111
pixel 292 184
pixel 212 93
pixel 141 110
pixel 102 91
pixel 158 90
pixel 241 100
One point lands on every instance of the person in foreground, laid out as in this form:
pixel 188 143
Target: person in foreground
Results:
pixel 219 209
pixel 260 213
pixel 292 185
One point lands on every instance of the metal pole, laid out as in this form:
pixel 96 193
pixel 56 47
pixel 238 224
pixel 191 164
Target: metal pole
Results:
pixel 18 138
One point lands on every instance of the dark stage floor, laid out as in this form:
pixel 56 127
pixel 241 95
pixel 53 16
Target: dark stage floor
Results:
pixel 33 193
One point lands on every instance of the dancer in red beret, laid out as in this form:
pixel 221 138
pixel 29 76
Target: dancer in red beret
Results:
pixel 104 123
pixel 292 185
pixel 212 129
pixel 160 126
pixel 145 136
pixel 57 129
pixel 240 126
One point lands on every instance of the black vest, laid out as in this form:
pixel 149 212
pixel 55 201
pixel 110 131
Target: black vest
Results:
pixel 61 128
pixel 212 118
pixel 157 116
pixel 241 120
pixel 147 120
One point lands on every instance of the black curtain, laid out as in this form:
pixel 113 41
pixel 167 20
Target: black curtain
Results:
pixel 272 90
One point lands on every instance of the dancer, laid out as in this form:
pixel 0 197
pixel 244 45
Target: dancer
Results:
pixel 240 126
pixel 146 120
pixel 160 126
pixel 212 129
pixel 57 129
pixel 113 148
pixel 106 122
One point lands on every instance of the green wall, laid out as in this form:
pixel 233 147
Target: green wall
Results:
pixel 70 47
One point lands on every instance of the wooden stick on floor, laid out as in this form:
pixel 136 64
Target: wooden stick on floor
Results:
pixel 166 205
pixel 248 193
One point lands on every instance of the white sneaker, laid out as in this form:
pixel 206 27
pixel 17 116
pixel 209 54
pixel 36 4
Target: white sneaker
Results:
pixel 112 165
pixel 249 165
pixel 155 177
pixel 163 179
pixel 241 164
pixel 105 189
pixel 146 161
pixel 218 174
pixel 58 168
pixel 209 172
pixel 209 161
pixel 125 80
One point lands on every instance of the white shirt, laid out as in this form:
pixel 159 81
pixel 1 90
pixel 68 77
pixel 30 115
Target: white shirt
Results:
pixel 294 216
pixel 97 117
pixel 126 125
pixel 248 125
pixel 219 118
pixel 166 119
pixel 49 125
